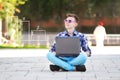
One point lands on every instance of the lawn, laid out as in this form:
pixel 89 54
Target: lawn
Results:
pixel 5 46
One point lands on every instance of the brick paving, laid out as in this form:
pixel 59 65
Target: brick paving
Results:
pixel 99 67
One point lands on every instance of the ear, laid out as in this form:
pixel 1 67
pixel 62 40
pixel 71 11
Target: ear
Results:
pixel 76 24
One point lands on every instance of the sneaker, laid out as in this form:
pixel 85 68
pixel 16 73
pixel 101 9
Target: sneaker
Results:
pixel 54 68
pixel 63 69
pixel 81 68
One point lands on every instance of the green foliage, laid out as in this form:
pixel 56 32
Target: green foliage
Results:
pixel 8 7
pixel 56 9
pixel 46 9
pixel 14 28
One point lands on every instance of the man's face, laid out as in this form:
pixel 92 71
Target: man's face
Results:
pixel 70 22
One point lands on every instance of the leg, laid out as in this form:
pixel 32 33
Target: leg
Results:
pixel 57 61
pixel 79 60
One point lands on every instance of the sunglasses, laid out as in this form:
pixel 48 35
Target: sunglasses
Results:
pixel 69 21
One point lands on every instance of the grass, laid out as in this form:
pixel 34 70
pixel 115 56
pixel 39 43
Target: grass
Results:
pixel 5 46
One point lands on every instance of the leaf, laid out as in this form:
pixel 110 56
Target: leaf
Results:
pixel 21 2
pixel 13 1
pixel 17 10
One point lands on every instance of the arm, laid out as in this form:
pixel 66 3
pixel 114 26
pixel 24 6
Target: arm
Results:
pixel 84 44
pixel 53 48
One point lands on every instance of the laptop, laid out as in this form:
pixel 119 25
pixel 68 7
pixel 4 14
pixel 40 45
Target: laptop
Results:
pixel 67 46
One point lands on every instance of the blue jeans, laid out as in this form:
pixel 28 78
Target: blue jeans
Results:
pixel 67 63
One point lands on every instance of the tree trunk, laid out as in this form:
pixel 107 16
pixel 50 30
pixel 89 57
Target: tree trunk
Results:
pixel 4 27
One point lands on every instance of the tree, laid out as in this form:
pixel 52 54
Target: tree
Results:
pixel 8 9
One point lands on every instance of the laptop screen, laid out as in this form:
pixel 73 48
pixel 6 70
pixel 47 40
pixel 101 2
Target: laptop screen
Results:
pixel 67 46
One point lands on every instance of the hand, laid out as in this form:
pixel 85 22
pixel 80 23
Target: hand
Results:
pixel 88 54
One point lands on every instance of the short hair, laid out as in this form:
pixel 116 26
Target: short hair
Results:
pixel 72 15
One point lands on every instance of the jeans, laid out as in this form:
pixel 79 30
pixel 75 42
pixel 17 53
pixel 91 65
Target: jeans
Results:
pixel 67 63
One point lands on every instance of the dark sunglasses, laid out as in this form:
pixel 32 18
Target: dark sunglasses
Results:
pixel 69 21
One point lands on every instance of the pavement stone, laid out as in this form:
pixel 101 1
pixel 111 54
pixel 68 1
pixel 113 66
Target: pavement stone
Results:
pixel 99 67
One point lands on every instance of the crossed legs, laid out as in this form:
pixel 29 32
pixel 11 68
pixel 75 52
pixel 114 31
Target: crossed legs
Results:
pixel 67 63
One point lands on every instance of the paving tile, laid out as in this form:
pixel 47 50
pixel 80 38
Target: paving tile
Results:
pixel 99 67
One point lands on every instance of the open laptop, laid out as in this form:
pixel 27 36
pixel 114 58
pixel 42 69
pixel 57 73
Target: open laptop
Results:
pixel 67 46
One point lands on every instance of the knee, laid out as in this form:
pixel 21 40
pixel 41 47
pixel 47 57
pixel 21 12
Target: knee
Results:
pixel 50 55
pixel 84 56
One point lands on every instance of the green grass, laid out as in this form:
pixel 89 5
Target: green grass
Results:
pixel 23 47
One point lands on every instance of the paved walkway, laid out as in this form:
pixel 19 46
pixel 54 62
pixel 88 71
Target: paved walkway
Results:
pixel 32 64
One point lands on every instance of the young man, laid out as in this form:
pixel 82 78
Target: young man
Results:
pixel 70 63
